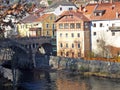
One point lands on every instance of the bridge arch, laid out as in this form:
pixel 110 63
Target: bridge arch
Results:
pixel 45 48
pixel 20 55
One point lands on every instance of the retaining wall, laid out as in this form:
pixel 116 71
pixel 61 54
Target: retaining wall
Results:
pixel 84 65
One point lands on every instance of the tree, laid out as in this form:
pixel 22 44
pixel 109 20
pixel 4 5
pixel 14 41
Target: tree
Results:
pixel 10 14
pixel 104 50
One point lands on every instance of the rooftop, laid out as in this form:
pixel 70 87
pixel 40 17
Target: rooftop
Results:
pixel 103 11
pixel 75 16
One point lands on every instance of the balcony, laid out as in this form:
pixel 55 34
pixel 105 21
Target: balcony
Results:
pixel 116 28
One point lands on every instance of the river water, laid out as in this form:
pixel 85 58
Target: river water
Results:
pixel 41 80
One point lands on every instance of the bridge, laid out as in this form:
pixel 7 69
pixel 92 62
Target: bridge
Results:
pixel 27 48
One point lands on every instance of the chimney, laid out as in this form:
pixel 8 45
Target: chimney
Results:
pixel 80 8
pixel 111 1
pixel 113 6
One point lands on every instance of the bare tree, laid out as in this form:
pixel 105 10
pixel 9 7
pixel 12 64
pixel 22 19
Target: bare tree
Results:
pixel 104 50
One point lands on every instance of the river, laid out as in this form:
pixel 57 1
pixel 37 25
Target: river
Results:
pixel 41 80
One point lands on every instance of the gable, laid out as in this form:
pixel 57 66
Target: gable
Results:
pixel 69 18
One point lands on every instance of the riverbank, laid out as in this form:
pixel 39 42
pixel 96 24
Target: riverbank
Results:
pixel 89 74
pixel 103 75
pixel 98 68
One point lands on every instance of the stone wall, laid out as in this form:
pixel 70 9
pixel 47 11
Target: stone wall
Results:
pixel 84 65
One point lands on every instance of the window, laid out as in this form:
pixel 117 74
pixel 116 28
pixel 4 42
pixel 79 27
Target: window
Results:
pixel 61 45
pixel 66 17
pixel 54 18
pixel 97 14
pixel 113 33
pixel 78 45
pixel 70 8
pixel 66 34
pixel 47 33
pixel 61 53
pixel 72 34
pixel 22 26
pixel 67 53
pixel 72 54
pixel 113 24
pixel 60 8
pixel 53 26
pixel 79 54
pixel 66 25
pixel 72 45
pixel 86 24
pixel 47 25
pixel 71 16
pixel 78 25
pixel 94 24
pixel 101 24
pixel 51 18
pixel 72 25
pixel 97 40
pixel 66 45
pixel 94 33
pixel 60 26
pixel 26 26
pixel 78 35
pixel 60 34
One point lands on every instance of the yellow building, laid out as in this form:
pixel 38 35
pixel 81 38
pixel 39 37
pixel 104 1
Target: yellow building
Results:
pixel 48 24
pixel 73 35
pixel 24 29
pixel 27 27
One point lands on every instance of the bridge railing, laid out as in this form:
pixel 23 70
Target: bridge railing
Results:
pixel 40 37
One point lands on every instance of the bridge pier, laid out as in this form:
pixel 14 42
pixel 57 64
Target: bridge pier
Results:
pixel 33 59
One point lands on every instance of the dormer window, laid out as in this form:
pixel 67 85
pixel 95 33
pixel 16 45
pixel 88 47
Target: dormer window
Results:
pixel 60 8
pixel 71 16
pixel 99 12
pixel 70 8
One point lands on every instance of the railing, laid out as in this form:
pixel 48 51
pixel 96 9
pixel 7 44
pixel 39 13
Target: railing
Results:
pixel 114 28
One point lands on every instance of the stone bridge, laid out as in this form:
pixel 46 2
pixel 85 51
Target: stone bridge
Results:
pixel 28 46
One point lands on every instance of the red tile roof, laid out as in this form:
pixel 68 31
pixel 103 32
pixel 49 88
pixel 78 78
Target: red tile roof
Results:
pixel 75 14
pixel 111 10
pixel 41 18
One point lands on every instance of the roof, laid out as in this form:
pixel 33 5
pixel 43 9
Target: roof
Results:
pixel 41 18
pixel 75 14
pixel 39 10
pixel 110 11
pixel 30 18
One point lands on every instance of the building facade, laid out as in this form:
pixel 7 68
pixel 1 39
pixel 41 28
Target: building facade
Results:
pixel 58 7
pixel 29 29
pixel 105 28
pixel 48 24
pixel 73 36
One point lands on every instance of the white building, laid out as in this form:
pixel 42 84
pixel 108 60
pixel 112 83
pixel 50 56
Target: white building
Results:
pixel 105 29
pixel 59 7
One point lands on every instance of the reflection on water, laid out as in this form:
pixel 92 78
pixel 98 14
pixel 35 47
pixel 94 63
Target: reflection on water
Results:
pixel 41 80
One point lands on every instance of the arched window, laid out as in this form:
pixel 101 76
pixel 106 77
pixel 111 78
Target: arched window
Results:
pixel 61 45
pixel 72 45
pixel 61 53
pixel 78 45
